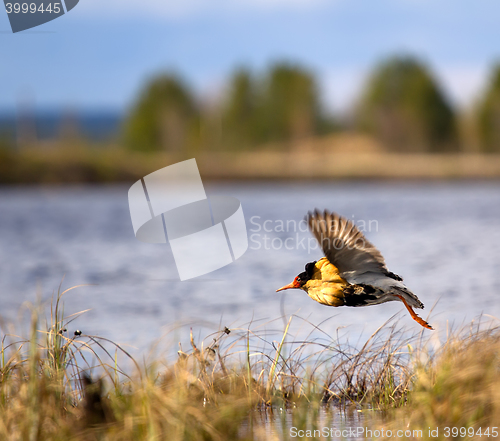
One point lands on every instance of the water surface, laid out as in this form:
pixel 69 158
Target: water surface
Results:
pixel 443 238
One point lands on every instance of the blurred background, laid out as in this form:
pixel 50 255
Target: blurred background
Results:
pixel 386 111
pixel 102 93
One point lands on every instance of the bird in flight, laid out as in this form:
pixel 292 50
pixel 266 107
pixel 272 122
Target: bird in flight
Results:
pixel 353 273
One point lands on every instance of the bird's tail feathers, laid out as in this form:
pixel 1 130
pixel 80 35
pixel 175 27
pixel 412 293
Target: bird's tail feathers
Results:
pixel 409 297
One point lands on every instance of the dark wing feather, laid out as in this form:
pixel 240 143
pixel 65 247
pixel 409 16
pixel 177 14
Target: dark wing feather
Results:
pixel 344 245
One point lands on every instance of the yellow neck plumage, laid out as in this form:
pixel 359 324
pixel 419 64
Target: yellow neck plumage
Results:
pixel 326 286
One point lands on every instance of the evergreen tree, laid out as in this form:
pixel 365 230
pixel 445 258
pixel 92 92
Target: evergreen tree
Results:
pixel 489 115
pixel 403 106
pixel 165 117
pixel 240 111
pixel 289 106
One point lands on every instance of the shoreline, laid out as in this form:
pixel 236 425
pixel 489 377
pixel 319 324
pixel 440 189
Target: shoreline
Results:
pixel 113 165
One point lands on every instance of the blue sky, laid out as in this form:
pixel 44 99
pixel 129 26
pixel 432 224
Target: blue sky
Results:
pixel 101 52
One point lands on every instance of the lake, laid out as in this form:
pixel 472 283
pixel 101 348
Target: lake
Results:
pixel 442 237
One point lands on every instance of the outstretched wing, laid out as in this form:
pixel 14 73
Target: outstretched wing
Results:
pixel 346 247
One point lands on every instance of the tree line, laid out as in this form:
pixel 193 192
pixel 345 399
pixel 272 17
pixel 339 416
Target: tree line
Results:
pixel 401 105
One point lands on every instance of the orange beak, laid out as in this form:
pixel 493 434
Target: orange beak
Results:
pixel 294 284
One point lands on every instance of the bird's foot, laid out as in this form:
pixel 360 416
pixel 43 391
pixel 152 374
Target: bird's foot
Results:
pixel 414 315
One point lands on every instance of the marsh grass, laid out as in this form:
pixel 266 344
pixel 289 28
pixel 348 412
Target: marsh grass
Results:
pixel 237 384
pixel 458 387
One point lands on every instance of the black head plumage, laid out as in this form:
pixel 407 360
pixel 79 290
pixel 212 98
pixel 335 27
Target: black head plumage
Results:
pixel 310 268
pixel 306 275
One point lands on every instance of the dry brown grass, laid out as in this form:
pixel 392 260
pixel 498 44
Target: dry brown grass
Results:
pixel 238 385
pixel 458 388
pixel 341 156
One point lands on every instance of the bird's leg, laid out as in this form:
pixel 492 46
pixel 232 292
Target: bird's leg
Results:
pixel 414 315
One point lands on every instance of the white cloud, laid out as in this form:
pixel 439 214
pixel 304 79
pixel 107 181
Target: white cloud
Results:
pixel 341 87
pixel 172 9
pixel 463 83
